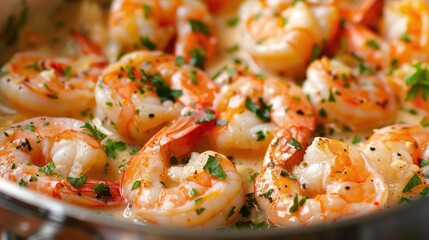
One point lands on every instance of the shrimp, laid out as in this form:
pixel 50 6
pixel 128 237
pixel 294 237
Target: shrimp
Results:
pixel 400 152
pixel 144 90
pixel 53 156
pixel 407 21
pixel 283 37
pixel 365 12
pixel 151 24
pixel 332 182
pixel 404 35
pixel 210 192
pixel 347 98
pixel 40 84
pixel 253 108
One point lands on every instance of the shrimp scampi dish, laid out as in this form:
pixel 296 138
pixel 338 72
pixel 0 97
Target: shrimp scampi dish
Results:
pixel 217 114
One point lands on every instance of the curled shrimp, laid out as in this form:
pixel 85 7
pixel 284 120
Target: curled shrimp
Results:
pixel 144 90
pixel 41 84
pixel 253 108
pixel 151 24
pixel 281 35
pixel 332 182
pixel 53 156
pixel 399 153
pixel 346 97
pixel 404 35
pixel 209 194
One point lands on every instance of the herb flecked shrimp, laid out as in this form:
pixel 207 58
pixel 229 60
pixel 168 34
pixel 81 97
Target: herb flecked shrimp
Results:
pixel 333 181
pixel 251 108
pixel 151 25
pixel 54 156
pixel 209 192
pixel 350 98
pixel 40 84
pixel 144 90
pixel 282 36
pixel 400 153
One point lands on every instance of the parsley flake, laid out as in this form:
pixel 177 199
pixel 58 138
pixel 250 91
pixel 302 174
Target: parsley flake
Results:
pixel 214 167
pixel 111 148
pixel 77 182
pixel 94 132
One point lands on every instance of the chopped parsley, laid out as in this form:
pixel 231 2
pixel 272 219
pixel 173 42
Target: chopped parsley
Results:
pixel 179 61
pixel 373 44
pixel 214 167
pixel 260 135
pixel 147 43
pixel 424 163
pixel 200 210
pixel 3 73
pixel 192 192
pixel 136 185
pixel 198 58
pixel 47 169
pixel 163 91
pixel 262 112
pixel 111 148
pixel 232 21
pixel 267 194
pixel 293 142
pixel 22 183
pixel 356 139
pixel 322 113
pixel 77 182
pixel 193 77
pixel 147 10
pixel 94 132
pixel 405 37
pixel 414 181
pixel 419 81
pixel 207 118
pixel 231 212
pixel 315 53
pixel 67 72
pixel 253 176
pixel 30 127
pixel 424 122
pixel 198 26
pixel 102 189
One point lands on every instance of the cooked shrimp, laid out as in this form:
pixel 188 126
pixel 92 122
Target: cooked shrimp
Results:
pixel 364 12
pixel 145 90
pixel 333 181
pixel 40 84
pixel 399 153
pixel 407 21
pixel 344 97
pixel 282 36
pixel 53 156
pixel 151 24
pixel 404 35
pixel 47 85
pixel 210 192
pixel 253 108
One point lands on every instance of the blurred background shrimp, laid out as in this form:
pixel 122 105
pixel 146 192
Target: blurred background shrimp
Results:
pixel 401 37
pixel 208 191
pixel 145 90
pixel 352 98
pixel 400 154
pixel 332 181
pixel 284 36
pixel 39 84
pixel 57 157
pixel 152 24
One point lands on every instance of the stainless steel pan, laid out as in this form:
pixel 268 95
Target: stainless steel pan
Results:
pixel 26 214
